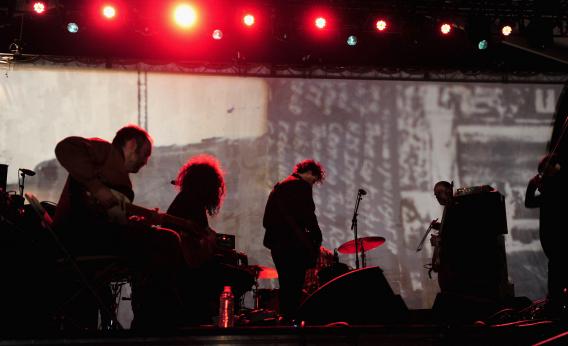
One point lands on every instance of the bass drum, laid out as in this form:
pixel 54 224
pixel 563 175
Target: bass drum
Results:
pixel 332 271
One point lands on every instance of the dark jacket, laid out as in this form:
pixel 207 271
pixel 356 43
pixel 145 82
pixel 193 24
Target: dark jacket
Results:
pixel 92 164
pixel 290 205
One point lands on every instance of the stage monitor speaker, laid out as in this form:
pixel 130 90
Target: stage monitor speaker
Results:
pixel 361 296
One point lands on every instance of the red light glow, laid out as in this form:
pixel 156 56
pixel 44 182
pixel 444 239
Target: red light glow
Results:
pixel 507 30
pixel 320 22
pixel 445 28
pixel 381 25
pixel 109 11
pixel 185 16
pixel 248 20
pixel 39 7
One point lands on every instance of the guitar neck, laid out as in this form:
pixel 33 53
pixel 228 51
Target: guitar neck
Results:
pixel 161 218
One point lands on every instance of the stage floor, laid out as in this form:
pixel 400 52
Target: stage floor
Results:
pixel 528 332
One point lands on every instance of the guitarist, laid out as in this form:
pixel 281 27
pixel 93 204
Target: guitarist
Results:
pixel 292 232
pixel 153 255
pixel 443 191
pixel 547 191
pixel 201 187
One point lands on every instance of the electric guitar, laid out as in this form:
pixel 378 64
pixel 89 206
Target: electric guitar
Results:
pixel 198 243
pixel 436 263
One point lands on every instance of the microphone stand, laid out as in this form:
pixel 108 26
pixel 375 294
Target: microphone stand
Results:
pixel 354 228
pixel 21 182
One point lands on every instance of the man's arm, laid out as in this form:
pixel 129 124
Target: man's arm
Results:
pixel 308 210
pixel 82 158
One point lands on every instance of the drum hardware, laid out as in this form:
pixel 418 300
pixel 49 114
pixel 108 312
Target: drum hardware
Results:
pixel 22 177
pixel 264 272
pixel 12 202
pixel 361 245
pixel 360 194
pixel 261 272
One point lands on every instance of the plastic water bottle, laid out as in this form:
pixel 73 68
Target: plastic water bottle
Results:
pixel 226 308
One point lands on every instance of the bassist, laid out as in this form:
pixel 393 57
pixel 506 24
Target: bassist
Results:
pixel 292 232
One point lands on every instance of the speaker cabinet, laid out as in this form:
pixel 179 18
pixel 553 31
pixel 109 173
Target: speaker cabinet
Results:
pixel 361 296
pixel 473 258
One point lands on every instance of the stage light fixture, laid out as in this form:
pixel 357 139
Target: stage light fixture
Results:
pixel 72 27
pixel 109 11
pixel 185 16
pixel 217 34
pixel 320 23
pixel 352 40
pixel 445 28
pixel 478 30
pixel 506 30
pixel 39 7
pixel 381 25
pixel 248 20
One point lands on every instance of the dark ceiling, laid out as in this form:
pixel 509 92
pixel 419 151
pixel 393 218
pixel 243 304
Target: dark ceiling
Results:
pixel 282 35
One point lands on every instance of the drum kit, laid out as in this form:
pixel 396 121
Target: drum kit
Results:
pixel 362 245
pixel 265 298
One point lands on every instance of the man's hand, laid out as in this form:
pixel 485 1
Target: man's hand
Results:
pixel 434 240
pixel 435 224
pixel 106 198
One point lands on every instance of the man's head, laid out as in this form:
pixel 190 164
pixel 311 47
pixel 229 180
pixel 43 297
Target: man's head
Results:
pixel 136 145
pixel 202 177
pixel 443 192
pixel 311 171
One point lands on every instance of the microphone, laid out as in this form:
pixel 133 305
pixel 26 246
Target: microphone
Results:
pixel 362 192
pixel 173 182
pixel 27 172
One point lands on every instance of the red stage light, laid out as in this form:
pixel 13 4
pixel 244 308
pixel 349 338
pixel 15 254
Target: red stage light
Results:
pixel 39 7
pixel 320 22
pixel 445 28
pixel 185 16
pixel 381 25
pixel 109 11
pixel 248 20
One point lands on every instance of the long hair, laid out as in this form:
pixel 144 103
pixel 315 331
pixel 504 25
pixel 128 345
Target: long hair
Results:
pixel 202 177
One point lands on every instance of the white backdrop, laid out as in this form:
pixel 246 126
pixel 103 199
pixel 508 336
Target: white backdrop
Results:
pixel 394 139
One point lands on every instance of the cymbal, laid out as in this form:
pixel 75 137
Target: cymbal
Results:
pixel 264 272
pixel 367 243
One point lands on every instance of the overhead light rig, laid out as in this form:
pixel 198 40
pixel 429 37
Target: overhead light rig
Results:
pixel 259 29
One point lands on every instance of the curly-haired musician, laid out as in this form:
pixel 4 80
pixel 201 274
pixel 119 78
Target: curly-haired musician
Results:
pixel 201 190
